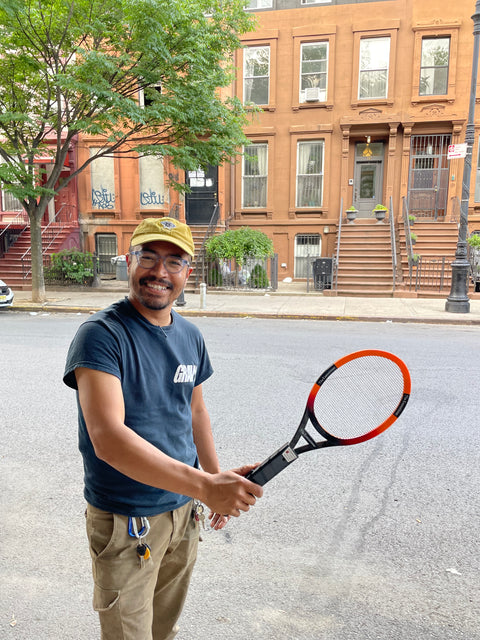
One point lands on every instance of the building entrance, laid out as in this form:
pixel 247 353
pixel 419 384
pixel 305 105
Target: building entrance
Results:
pixel 368 177
pixel 200 202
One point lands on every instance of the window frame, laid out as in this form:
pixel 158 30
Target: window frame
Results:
pixel 389 31
pixel 267 37
pixel 303 36
pixel 268 76
pixel 450 30
pixel 262 206
pixel 364 72
pixel 434 67
pixel 257 8
pixel 304 259
pixel 307 3
pixel 301 142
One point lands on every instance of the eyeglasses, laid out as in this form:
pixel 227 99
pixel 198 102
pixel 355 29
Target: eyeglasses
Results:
pixel 148 260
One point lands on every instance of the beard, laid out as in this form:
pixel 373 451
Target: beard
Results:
pixel 150 300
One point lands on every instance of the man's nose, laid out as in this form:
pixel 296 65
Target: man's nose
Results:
pixel 159 268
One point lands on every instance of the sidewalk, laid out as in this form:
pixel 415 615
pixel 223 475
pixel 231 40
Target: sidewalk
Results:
pixel 290 301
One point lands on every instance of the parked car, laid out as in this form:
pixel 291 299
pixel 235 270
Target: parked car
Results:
pixel 6 295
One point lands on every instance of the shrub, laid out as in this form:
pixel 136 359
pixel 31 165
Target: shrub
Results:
pixel 259 278
pixel 239 244
pixel 70 266
pixel 214 278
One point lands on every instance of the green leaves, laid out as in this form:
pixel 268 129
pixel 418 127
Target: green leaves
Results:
pixel 238 244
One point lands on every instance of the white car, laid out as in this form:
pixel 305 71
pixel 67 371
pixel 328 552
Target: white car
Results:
pixel 6 295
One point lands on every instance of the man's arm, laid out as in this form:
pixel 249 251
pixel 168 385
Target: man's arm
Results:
pixel 202 433
pixel 102 403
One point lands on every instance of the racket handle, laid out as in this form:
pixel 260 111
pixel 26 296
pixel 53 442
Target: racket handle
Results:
pixel 273 465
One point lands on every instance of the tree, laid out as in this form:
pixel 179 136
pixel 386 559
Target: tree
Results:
pixel 77 66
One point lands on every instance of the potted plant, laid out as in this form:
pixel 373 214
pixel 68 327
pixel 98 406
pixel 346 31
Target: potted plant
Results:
pixel 411 219
pixel 413 237
pixel 379 211
pixel 413 260
pixel 351 214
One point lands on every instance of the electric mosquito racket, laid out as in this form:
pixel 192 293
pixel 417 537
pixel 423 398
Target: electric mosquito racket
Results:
pixel 355 399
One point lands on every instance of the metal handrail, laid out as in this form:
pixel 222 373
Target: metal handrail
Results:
pixel 335 266
pixel 51 233
pixel 21 216
pixel 212 225
pixel 393 243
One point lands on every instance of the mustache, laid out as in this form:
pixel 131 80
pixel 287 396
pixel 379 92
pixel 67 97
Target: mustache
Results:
pixel 160 281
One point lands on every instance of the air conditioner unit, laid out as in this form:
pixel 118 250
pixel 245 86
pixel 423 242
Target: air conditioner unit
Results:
pixel 312 94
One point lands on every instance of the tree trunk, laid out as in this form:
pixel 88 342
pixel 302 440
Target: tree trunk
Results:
pixel 38 282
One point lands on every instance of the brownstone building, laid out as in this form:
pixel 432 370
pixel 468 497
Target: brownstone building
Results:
pixel 360 101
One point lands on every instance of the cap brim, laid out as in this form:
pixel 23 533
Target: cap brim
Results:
pixel 154 237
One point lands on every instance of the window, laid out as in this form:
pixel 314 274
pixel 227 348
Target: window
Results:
pixel 309 192
pixel 254 176
pixel 106 249
pixel 259 4
pixel 103 182
pixel 146 96
pixel 313 72
pixel 373 69
pixel 10 203
pixel 307 247
pixel 152 184
pixel 256 72
pixel 434 66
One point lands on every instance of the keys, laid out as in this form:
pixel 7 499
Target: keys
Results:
pixel 200 515
pixel 143 551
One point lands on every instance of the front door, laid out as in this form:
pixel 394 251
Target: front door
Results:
pixel 200 202
pixel 368 177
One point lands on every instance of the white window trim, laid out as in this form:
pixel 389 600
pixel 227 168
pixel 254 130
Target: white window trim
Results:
pixel 387 69
pixel 245 77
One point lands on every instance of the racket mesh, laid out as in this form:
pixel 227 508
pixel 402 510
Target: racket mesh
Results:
pixel 359 396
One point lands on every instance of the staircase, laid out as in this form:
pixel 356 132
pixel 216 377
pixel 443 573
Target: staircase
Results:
pixel 11 270
pixel 365 260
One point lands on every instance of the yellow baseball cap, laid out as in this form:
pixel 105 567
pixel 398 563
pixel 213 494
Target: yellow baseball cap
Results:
pixel 168 229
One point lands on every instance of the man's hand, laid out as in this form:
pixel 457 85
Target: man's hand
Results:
pixel 229 493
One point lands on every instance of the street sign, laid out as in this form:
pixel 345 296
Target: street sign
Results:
pixel 457 150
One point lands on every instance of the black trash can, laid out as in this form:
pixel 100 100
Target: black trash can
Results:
pixel 322 273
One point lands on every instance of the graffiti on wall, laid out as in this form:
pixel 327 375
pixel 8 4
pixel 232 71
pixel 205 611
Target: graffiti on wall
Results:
pixel 151 198
pixel 102 198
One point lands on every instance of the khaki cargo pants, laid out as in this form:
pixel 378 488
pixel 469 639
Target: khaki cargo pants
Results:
pixel 137 602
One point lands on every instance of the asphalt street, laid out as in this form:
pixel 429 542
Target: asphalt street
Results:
pixel 374 541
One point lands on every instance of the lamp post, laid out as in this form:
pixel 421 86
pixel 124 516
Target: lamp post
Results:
pixel 457 301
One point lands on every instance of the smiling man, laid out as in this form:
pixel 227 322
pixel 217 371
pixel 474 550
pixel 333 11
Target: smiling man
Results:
pixel 146 441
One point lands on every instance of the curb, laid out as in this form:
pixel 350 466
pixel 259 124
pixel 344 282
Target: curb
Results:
pixel 52 308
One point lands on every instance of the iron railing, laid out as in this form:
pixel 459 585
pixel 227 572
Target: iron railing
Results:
pixel 430 273
pixel 246 275
pixel 393 242
pixel 201 271
pixel 6 240
pixel 64 216
pixel 337 253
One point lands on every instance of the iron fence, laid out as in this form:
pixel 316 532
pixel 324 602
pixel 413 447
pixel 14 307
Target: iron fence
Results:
pixel 430 273
pixel 247 274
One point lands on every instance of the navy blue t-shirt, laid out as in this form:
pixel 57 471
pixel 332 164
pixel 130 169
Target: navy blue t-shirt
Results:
pixel 158 369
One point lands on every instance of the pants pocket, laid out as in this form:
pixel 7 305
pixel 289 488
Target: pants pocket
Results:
pixel 104 599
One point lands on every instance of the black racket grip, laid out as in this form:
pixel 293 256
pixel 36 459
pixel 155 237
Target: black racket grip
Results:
pixel 273 465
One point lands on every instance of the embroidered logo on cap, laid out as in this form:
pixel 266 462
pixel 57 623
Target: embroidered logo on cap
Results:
pixel 167 224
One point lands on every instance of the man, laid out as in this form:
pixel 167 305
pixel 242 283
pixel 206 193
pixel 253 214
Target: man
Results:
pixel 146 441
